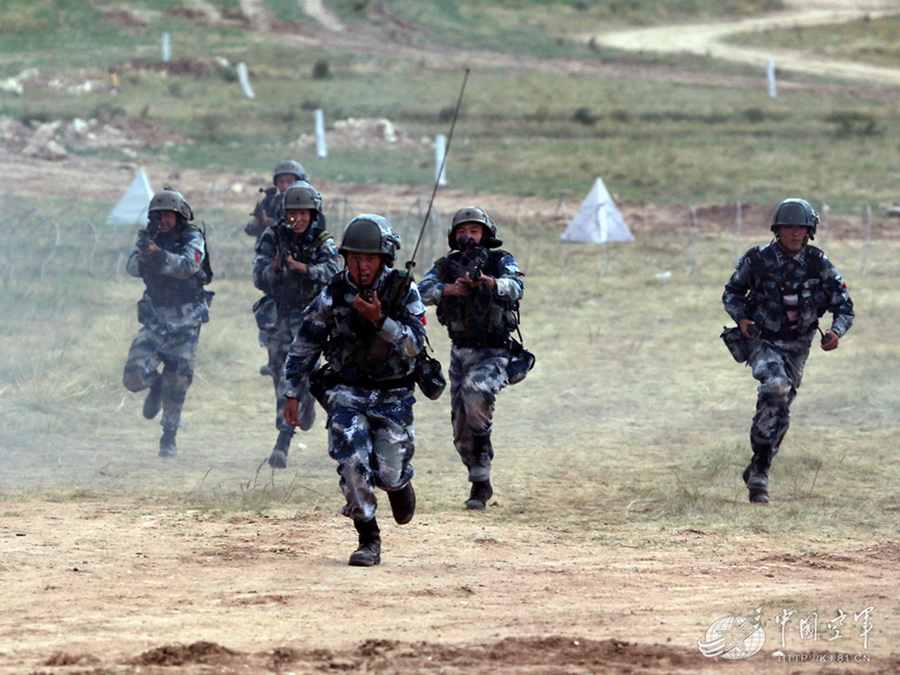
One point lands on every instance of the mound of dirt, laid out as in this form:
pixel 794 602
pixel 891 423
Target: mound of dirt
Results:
pixel 55 139
pixel 192 67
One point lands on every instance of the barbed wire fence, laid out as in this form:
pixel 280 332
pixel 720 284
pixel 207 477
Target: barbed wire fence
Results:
pixel 38 243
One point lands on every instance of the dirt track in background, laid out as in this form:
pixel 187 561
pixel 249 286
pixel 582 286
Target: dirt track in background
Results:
pixel 708 39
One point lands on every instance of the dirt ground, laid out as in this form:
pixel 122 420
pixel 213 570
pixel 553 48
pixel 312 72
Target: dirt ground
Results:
pixel 115 587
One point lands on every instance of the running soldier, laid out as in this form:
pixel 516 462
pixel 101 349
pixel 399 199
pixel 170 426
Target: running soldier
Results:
pixel 369 323
pixel 477 288
pixel 170 256
pixel 776 295
pixel 266 213
pixel 294 260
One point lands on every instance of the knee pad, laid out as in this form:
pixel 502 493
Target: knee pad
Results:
pixel 779 387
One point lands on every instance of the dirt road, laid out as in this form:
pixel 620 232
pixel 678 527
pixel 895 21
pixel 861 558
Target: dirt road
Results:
pixel 708 39
pixel 113 587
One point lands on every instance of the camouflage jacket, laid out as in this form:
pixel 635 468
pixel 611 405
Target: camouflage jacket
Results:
pixel 355 350
pixel 482 314
pixel 768 285
pixel 269 206
pixel 174 298
pixel 292 290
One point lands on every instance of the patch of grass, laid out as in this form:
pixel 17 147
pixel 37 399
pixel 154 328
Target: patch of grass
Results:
pixel 871 40
pixel 520 131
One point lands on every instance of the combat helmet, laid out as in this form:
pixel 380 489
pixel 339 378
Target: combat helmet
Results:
pixel 474 214
pixel 291 168
pixel 795 212
pixel 369 233
pixel 302 195
pixel 171 200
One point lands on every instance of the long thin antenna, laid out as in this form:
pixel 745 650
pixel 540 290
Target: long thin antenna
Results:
pixel 412 259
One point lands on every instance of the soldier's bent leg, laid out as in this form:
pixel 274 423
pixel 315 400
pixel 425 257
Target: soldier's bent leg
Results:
pixel 393 446
pixel 177 376
pixel 141 365
pixel 776 391
pixel 350 444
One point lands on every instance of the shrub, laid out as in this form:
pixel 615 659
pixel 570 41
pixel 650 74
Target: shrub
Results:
pixel 321 70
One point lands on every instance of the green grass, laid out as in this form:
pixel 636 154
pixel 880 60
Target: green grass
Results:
pixel 521 131
pixel 869 40
pixel 633 423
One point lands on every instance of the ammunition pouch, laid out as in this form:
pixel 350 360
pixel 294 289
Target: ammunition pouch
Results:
pixel 736 343
pixel 265 311
pixel 521 361
pixel 429 376
pixel 321 381
pixel 146 312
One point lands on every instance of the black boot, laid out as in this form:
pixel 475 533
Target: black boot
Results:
pixel 756 477
pixel 368 553
pixel 403 503
pixel 153 402
pixel 167 447
pixel 278 458
pixel 480 494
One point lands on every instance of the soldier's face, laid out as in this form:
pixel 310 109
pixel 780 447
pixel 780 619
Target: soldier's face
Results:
pixel 793 237
pixel 167 220
pixel 364 267
pixel 299 219
pixel 284 180
pixel 472 230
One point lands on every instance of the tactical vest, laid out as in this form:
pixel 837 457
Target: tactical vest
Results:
pixel 167 291
pixel 361 352
pixel 770 285
pixel 299 290
pixel 482 318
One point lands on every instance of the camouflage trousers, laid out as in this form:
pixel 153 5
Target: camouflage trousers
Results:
pixel 778 365
pixel 177 352
pixel 278 342
pixel 476 376
pixel 371 436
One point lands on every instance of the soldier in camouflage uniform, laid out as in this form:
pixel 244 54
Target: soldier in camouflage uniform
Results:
pixel 476 288
pixel 267 212
pixel 294 260
pixel 369 324
pixel 268 209
pixel 170 256
pixel 777 295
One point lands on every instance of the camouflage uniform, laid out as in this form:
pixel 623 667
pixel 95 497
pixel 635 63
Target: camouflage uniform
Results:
pixel 370 397
pixel 291 292
pixel 267 207
pixel 173 308
pixel 785 296
pixel 479 325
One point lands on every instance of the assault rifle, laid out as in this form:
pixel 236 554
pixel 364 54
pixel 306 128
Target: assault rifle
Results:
pixel 472 259
pixel 148 234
